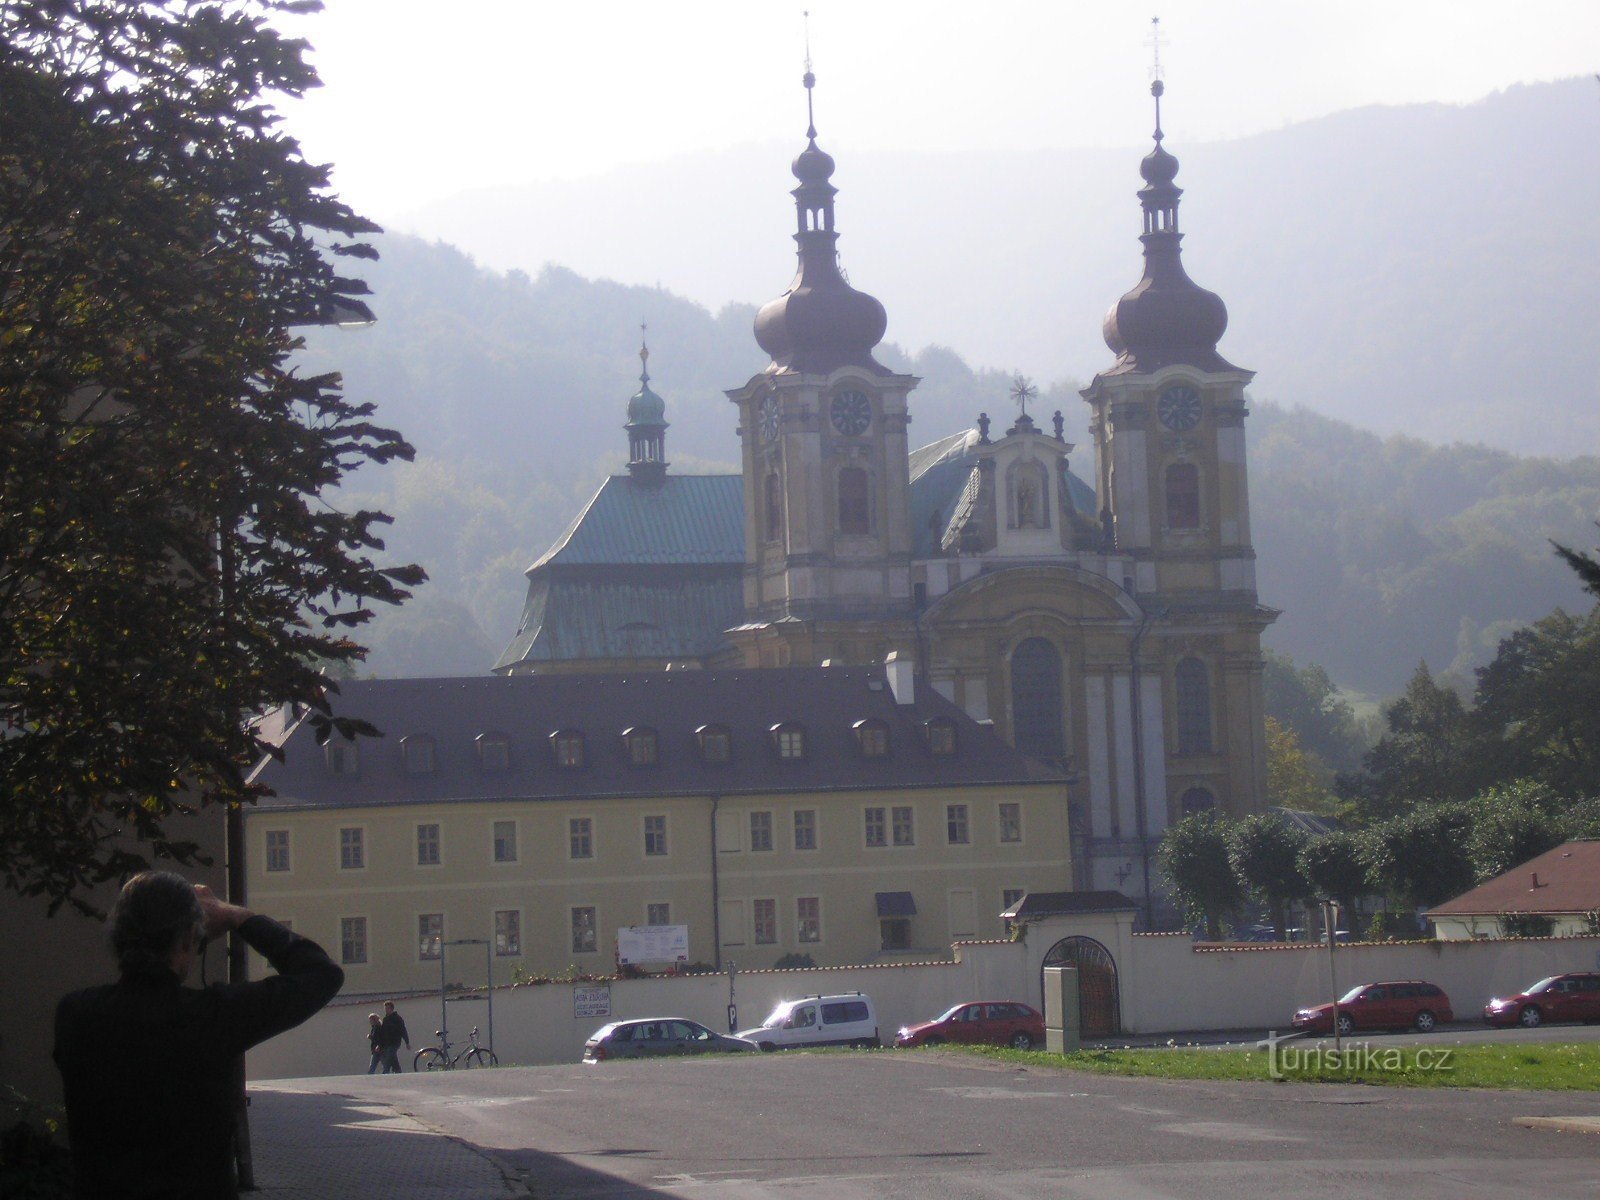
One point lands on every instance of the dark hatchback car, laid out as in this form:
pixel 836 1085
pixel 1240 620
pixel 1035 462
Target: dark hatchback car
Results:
pixel 1402 1004
pixel 659 1037
pixel 1571 997
pixel 986 1023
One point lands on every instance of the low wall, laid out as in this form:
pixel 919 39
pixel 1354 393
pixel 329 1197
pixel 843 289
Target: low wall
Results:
pixel 535 1023
pixel 1168 984
pixel 1175 985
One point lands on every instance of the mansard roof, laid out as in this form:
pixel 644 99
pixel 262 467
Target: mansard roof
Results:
pixel 824 702
pixel 683 519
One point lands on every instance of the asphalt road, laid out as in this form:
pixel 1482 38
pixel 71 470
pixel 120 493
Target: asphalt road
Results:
pixel 937 1125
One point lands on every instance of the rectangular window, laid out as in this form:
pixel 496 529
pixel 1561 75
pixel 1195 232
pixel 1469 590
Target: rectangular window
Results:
pixel 761 831
pixel 585 938
pixel 905 830
pixel 808 918
pixel 352 939
pixel 805 829
pixel 277 849
pixel 877 827
pixel 658 914
pixel 580 837
pixel 507 932
pixel 765 913
pixel 352 849
pixel 956 831
pixel 428 845
pixel 430 936
pixel 505 841
pixel 1011 822
pixel 791 743
pixel 655 836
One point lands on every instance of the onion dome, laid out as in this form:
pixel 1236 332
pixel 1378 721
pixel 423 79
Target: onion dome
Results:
pixel 647 428
pixel 820 323
pixel 1167 318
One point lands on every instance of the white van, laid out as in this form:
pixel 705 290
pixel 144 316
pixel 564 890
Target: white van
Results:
pixel 819 1021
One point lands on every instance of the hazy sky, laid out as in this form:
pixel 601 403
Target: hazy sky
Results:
pixel 424 98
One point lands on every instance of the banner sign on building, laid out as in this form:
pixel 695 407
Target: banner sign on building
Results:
pixel 653 944
pixel 591 1000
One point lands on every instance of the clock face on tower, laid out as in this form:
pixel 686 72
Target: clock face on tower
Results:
pixel 768 418
pixel 1179 407
pixel 851 413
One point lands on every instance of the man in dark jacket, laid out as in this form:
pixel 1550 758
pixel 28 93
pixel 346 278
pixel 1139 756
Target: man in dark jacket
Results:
pixel 150 1067
pixel 394 1032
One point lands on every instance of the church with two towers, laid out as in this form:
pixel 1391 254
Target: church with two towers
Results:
pixel 1108 625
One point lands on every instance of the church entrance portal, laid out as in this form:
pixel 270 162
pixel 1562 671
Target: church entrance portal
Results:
pixel 1099 1010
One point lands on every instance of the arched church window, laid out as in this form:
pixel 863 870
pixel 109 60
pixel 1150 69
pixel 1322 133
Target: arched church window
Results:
pixel 1194 707
pixel 1030 491
pixel 1183 496
pixel 1036 713
pixel 774 507
pixel 1197 800
pixel 855 512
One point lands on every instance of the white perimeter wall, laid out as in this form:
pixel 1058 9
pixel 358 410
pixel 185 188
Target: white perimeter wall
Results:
pixel 1167 986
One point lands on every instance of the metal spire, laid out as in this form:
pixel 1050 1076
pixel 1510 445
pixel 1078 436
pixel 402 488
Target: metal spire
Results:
pixel 644 352
pixel 809 80
pixel 1155 41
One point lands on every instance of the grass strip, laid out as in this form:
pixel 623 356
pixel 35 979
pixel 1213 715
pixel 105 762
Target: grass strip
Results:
pixel 1544 1066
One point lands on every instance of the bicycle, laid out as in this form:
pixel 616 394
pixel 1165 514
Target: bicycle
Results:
pixel 437 1058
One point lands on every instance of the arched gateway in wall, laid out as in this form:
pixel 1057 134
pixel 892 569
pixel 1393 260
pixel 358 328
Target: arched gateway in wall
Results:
pixel 1099 1004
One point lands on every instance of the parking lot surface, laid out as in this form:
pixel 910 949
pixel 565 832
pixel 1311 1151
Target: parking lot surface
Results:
pixel 938 1124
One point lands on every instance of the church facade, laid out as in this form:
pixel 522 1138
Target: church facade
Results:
pixel 1108 627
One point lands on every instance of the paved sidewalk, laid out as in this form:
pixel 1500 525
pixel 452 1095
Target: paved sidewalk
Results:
pixel 317 1144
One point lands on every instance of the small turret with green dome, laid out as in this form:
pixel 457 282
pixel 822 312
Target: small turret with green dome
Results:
pixel 647 427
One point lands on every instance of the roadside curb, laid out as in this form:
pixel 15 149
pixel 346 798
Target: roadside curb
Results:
pixel 1560 1124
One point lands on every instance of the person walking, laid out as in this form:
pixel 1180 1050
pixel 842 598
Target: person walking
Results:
pixel 394 1032
pixel 375 1044
pixel 149 1066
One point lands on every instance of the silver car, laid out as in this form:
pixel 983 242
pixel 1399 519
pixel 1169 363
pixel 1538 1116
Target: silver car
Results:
pixel 659 1037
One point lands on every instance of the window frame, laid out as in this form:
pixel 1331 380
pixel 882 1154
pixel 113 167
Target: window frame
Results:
pixel 707 736
pixel 1015 823
pixel 759 820
pixel 902 817
pixel 939 734
pixel 588 833
pixel 342 756
pixel 593 928
pixel 360 844
pixel 1181 492
pixel 801 920
pixel 764 920
pixel 355 930
pixel 568 750
pixel 419 754
pixel 438 843
pixel 788 741
pixel 641 746
pixel 507 941
pixel 853 508
pixel 286 849
pixel 650 914
pixel 811 825
pixel 501 743
pixel 872 738
pixel 657 837
pixel 953 822
pixel 875 826
pixel 495 843
pixel 438 939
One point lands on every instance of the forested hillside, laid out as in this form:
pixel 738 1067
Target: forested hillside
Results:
pixel 1380 551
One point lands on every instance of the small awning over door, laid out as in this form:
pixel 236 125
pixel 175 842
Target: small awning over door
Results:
pixel 896 904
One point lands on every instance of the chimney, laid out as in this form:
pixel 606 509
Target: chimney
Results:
pixel 901 683
pixel 1536 884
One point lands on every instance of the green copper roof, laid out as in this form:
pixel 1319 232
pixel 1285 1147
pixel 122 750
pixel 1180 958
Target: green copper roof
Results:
pixel 646 408
pixel 686 519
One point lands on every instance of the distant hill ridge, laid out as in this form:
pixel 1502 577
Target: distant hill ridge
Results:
pixel 1427 269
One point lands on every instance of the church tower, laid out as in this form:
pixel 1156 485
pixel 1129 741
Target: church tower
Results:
pixel 823 432
pixel 647 428
pixel 1173 499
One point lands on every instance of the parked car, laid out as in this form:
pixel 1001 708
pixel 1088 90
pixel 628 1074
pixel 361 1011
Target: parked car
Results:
pixel 1571 997
pixel 658 1037
pixel 1402 1004
pixel 850 1020
pixel 986 1023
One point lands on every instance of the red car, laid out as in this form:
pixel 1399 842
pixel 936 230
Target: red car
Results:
pixel 987 1023
pixel 1572 997
pixel 1403 1004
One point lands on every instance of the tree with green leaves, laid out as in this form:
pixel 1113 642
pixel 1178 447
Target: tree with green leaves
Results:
pixel 1538 705
pixel 1294 779
pixel 1426 755
pixel 1421 858
pixel 1264 851
pixel 1334 869
pixel 1513 823
pixel 169 560
pixel 1586 565
pixel 1200 879
pixel 1305 701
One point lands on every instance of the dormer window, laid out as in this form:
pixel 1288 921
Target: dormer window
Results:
pixel 343 756
pixel 494 752
pixel 416 752
pixel 789 741
pixel 872 738
pixel 640 745
pixel 716 744
pixel 941 737
pixel 567 746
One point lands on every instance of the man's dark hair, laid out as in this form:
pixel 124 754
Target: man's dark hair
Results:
pixel 151 914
